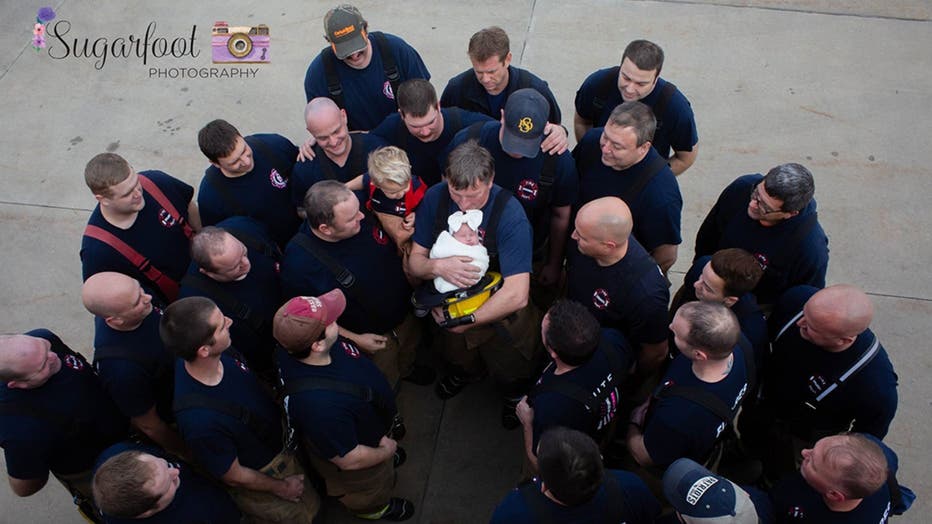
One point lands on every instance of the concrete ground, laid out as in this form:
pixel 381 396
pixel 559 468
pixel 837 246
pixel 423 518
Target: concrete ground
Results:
pixel 842 87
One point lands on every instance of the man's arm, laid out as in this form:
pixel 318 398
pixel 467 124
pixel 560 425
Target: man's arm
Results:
pixel 288 488
pixel 581 126
pixel 665 256
pixel 368 342
pixel 362 457
pixel 555 141
pixel 458 271
pixel 652 356
pixel 559 225
pixel 526 415
pixel 156 429
pixel 681 160
pixel 194 216
pixel 636 446
pixel 27 487
pixel 512 296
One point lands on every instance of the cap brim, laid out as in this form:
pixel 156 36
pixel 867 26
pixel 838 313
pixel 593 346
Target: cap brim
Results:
pixel 516 145
pixel 334 303
pixel 349 47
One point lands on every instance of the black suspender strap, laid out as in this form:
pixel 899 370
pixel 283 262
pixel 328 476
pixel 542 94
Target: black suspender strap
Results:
pixel 661 106
pixel 224 299
pixel 389 67
pixel 603 91
pixel 334 88
pixel 644 178
pixel 576 392
pixel 279 162
pixel 265 430
pixel 548 174
pixel 364 393
pixel 861 363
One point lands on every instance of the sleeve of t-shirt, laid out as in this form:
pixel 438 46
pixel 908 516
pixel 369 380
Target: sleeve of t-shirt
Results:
pixel 301 274
pixel 128 384
pixel 710 232
pixel 424 219
pixel 409 60
pixel 664 228
pixel 565 191
pixel 209 204
pixel 450 93
pixel 332 432
pixel 512 510
pixel 303 176
pixel 27 459
pixel 514 240
pixel 811 263
pixel 284 149
pixel 665 442
pixel 213 448
pixel 553 409
pixel 584 96
pixel 788 305
pixel 555 115
pixel 650 325
pixel 640 503
pixel 680 124
pixel 314 79
pixel 876 411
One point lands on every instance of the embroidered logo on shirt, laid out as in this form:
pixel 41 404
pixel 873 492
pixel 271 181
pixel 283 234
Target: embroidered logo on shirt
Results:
pixel 527 190
pixel 600 298
pixel 380 237
pixel 387 90
pixel 73 362
pixel 165 218
pixel 350 349
pixel 277 179
pixel 240 364
pixel 762 260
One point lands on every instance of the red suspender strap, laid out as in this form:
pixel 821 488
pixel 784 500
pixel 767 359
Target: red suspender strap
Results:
pixel 414 196
pixel 371 192
pixel 168 286
pixel 149 186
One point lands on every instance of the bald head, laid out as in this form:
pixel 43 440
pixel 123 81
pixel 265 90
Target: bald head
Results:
pixel 320 108
pixel 847 310
pixel 610 218
pixel 117 298
pixel 21 356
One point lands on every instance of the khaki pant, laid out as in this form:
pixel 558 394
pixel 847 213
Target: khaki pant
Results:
pixel 261 506
pixel 396 359
pixel 508 348
pixel 361 491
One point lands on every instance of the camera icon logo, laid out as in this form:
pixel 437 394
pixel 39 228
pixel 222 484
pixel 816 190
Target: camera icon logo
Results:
pixel 239 44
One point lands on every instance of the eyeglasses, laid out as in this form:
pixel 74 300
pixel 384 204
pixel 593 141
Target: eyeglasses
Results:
pixel 764 208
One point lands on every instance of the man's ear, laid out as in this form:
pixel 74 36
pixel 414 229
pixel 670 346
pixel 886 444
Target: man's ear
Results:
pixel 730 301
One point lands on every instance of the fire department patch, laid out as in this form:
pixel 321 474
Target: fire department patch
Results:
pixel 350 349
pixel 527 190
pixel 165 218
pixel 73 362
pixel 277 179
pixel 387 90
pixel 600 298
pixel 380 237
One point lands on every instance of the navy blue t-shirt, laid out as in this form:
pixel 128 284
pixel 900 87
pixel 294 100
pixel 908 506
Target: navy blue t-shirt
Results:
pixel 630 295
pixel 262 193
pixel 656 210
pixel 522 176
pixel 750 316
pixel 154 234
pixel 797 369
pixel 678 427
pixel 640 505
pixel 217 439
pixel 676 128
pixel 34 446
pixel 309 172
pixel 336 422
pixel 427 158
pixel 198 500
pixel 260 291
pixel 552 408
pixel 465 91
pixel 137 384
pixel 728 225
pixel 367 93
pixel 513 233
pixel 372 258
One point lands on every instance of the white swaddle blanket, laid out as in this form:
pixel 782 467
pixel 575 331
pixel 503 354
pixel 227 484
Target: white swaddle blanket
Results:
pixel 447 246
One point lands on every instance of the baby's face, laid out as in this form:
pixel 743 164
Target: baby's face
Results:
pixel 392 190
pixel 466 235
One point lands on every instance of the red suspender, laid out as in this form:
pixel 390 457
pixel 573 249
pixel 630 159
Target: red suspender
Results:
pixel 150 187
pixel 168 286
pixel 414 196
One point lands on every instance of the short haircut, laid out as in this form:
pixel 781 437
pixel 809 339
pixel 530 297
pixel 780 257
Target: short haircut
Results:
pixel 105 171
pixel 416 97
pixel 468 165
pixel 739 270
pixel 572 332
pixel 120 486
pixel 858 465
pixel 645 54
pixel 217 139
pixel 570 465
pixel 185 326
pixel 637 116
pixel 320 200
pixel 712 328
pixel 489 42
pixel 207 243
pixel 389 164
pixel 791 183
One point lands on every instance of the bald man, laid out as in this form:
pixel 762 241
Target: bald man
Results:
pixel 332 153
pixel 135 368
pixel 828 372
pixel 617 280
pixel 54 415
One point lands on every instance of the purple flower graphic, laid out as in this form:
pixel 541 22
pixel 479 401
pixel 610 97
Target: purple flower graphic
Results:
pixel 45 14
pixel 38 41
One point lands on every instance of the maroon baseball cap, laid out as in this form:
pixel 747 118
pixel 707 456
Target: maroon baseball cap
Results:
pixel 301 320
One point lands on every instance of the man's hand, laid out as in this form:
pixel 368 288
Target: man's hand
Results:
pixel 306 151
pixel 525 412
pixel 370 342
pixel 638 414
pixel 408 222
pixel 437 313
pixel 291 488
pixel 549 274
pixel 556 142
pixel 388 443
pixel 458 271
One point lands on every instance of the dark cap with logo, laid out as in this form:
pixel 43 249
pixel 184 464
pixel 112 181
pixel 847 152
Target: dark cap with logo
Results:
pixel 526 113
pixel 345 30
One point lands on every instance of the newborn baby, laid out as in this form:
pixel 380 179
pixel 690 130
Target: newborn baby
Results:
pixel 461 240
